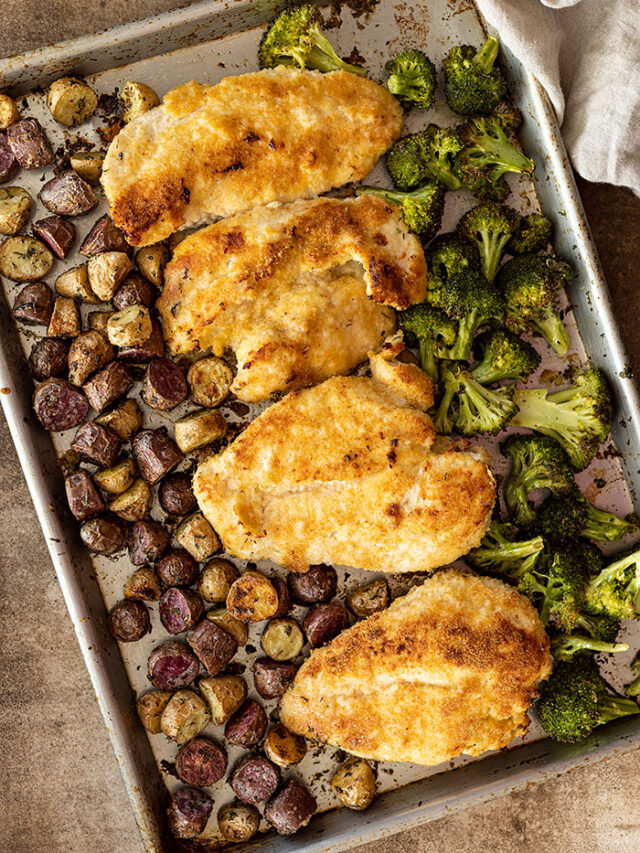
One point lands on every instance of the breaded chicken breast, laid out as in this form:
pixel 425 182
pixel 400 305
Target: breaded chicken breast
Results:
pixel 345 473
pixel 300 292
pixel 449 668
pixel 212 151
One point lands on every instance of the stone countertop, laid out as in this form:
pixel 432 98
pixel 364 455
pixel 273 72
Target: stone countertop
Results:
pixel 62 790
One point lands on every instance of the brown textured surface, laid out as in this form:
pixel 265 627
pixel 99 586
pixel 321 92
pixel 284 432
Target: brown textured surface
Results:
pixel 61 788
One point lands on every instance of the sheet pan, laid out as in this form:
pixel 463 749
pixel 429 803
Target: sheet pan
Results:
pixel 207 41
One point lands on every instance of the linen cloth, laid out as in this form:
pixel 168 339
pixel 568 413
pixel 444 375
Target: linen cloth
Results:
pixel 586 53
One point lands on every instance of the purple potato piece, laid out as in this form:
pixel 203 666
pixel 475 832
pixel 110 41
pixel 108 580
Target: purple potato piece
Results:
pixel 172 666
pixel 57 233
pixel 134 290
pixel 284 598
pixel 153 347
pixel 272 678
pixel 213 645
pixel 176 495
pixel 324 622
pixel 104 535
pixel 201 762
pixel 164 385
pixel 67 194
pixel 8 163
pixel 188 812
pixel 104 237
pixel 156 453
pixel 180 609
pixel 177 568
pixel 29 144
pixel 108 385
pixel 95 443
pixel 49 357
pixel 247 726
pixel 59 405
pixel 254 779
pixel 83 497
pixel 129 621
pixel 34 304
pixel 291 808
pixel 317 585
pixel 148 540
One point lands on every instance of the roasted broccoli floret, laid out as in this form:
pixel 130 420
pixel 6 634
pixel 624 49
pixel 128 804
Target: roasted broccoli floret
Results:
pixel 537 462
pixel 473 85
pixel 444 420
pixel 421 209
pixel 565 517
pixel 532 234
pixel 598 627
pixel 489 227
pixel 488 153
pixel 576 699
pixel 433 330
pixel 502 553
pixel 510 117
pixel 423 156
pixel 530 284
pixel 556 585
pixel 478 410
pixel 592 634
pixel 295 38
pixel 579 417
pixel 446 255
pixel 471 300
pixel 615 591
pixel 412 79
pixel 633 689
pixel 505 356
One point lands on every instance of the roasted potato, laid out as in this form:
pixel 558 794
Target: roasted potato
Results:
pixel 177 568
pixel 210 380
pixel 283 747
pixel 108 385
pixel 317 585
pixel 71 101
pixel 129 621
pixel 8 163
pixel 354 784
pixel 133 504
pixel 97 320
pixel 104 535
pixel 216 579
pixel 226 621
pixel 88 164
pixel 148 541
pixel 29 144
pixel 323 622
pixel 25 259
pixel 164 385
pixel 252 598
pixel 198 429
pixel 56 233
pixel 254 779
pixel 33 305
pixel 156 454
pixel 136 99
pixel 247 726
pixel 150 707
pixel 106 271
pixel 151 261
pixel 188 812
pixel 129 327
pixel 172 665
pixel 143 585
pixel 49 358
pixel 224 695
pixel 184 716
pixel 214 646
pixel 176 495
pixel 74 284
pixel 59 405
pixel 291 808
pixel 65 319
pixel 82 496
pixel 8 112
pixel 282 639
pixel 104 237
pixel 88 353
pixel 368 599
pixel 272 678
pixel 150 350
pixel 179 609
pixel 15 207
pixel 201 762
pixel 134 290
pixel 97 444
pixel 284 598
pixel 68 195
pixel 118 478
pixel 198 537
pixel 238 821
pixel 125 420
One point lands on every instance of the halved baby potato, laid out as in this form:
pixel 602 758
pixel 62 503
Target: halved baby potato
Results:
pixel 252 598
pixel 118 478
pixel 129 327
pixel 71 101
pixel 124 420
pixel 198 537
pixel 135 503
pixel 210 380
pixel 137 98
pixel 74 283
pixel 88 164
pixel 224 695
pixel 198 429
pixel 283 747
pixel 106 272
pixel 230 624
pixel 15 207
pixel 9 113
pixel 24 259
pixel 150 707
pixel 65 319
pixel 151 261
pixel 185 716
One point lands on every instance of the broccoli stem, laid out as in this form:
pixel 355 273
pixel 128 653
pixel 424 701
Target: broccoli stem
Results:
pixel 612 707
pixel 426 354
pixel 633 689
pixel 444 421
pixel 323 57
pixel 491 250
pixel 604 526
pixel 467 327
pixel 487 55
pixel 550 326
pixel 566 646
pixel 615 573
pixel 404 85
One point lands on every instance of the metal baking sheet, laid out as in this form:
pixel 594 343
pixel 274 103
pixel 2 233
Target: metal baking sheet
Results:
pixel 208 41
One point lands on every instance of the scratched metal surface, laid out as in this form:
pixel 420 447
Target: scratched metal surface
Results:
pixel 206 42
